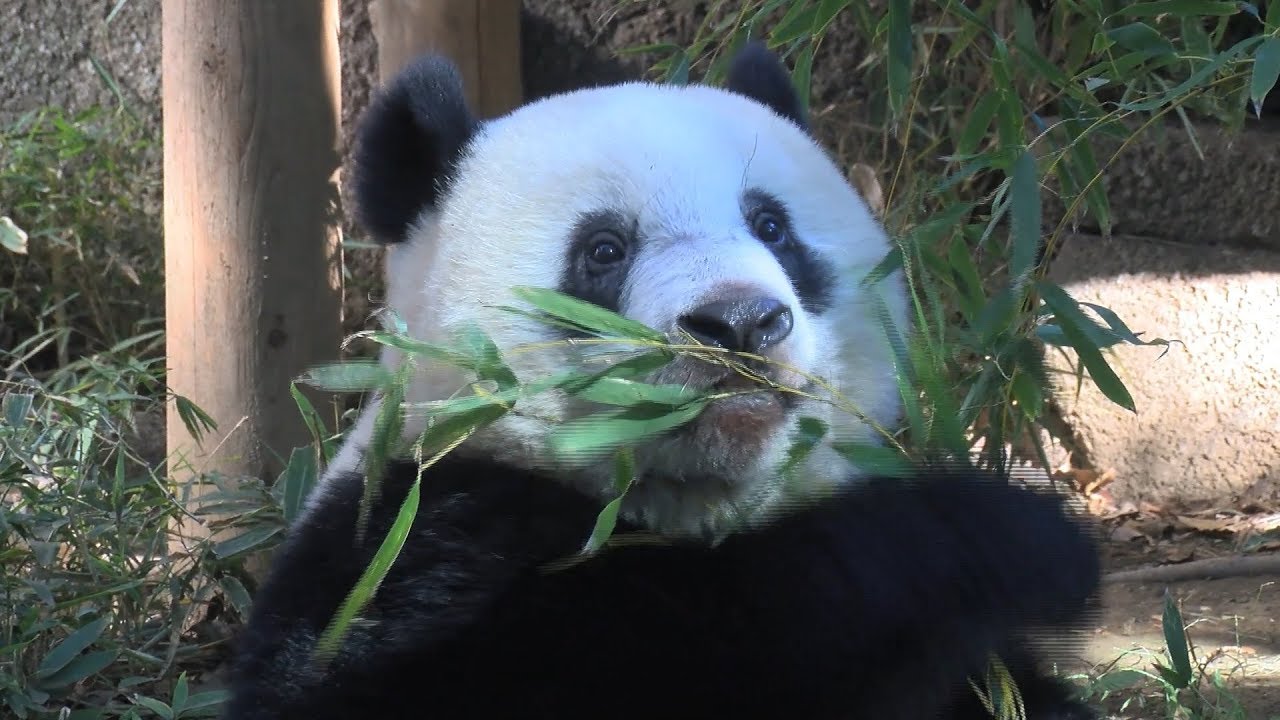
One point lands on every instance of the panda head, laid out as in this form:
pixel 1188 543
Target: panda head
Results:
pixel 693 210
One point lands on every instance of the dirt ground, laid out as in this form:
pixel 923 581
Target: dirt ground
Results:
pixel 1232 620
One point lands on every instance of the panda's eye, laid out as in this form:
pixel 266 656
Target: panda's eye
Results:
pixel 606 249
pixel 769 228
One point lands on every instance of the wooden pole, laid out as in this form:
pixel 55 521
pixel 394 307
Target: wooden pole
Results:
pixel 481 36
pixel 253 293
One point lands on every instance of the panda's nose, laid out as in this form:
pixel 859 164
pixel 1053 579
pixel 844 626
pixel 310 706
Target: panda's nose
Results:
pixel 752 325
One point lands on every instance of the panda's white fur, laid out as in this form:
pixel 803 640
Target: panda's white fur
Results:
pixel 504 222
pixel 883 600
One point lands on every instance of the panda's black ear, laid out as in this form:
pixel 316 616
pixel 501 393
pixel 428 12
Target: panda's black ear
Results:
pixel 407 144
pixel 759 74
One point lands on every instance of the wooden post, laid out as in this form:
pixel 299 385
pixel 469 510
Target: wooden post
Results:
pixel 481 36
pixel 253 293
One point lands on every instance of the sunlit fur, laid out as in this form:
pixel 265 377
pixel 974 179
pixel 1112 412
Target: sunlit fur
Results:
pixel 884 600
pixel 677 159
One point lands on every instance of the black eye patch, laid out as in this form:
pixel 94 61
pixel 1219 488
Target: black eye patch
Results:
pixel 769 221
pixel 601 250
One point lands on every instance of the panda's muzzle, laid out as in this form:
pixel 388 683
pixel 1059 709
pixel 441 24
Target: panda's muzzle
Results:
pixel 748 325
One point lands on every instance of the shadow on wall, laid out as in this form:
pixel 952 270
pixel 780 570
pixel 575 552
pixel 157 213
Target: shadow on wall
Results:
pixel 1092 257
pixel 555 61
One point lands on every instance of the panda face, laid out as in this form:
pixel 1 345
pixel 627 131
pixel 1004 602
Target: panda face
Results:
pixel 694 210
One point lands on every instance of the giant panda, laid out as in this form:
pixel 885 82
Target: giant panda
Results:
pixel 698 211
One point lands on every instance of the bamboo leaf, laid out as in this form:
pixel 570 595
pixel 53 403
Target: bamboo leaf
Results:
pixel 797 23
pixel 80 668
pixel 874 459
pixel 374 574
pixel 1175 638
pixel 629 393
pixel 977 124
pixel 1181 8
pixel 601 432
pixel 1141 38
pixel 827 11
pixel 296 481
pixel 353 376
pixel 245 541
pixel 586 315
pixel 1025 213
pixel 1266 71
pixel 607 519
pixel 801 75
pixel 72 645
pixel 1072 321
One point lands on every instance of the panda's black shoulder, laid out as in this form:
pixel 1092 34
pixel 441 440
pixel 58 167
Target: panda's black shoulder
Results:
pixel 466 509
pixel 935 572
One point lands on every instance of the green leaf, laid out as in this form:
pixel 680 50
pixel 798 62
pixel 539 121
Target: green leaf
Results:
pixel 1266 71
pixel 16 406
pixel 827 11
pixel 81 667
pixel 1141 37
pixel 445 432
pixel 679 73
pixel 1027 392
pixel 1072 321
pixel 388 425
pixel 296 482
pixel 899 57
pixel 1175 638
pixel 891 263
pixel 977 123
pixel 1118 328
pixel 1193 81
pixel 629 393
pixel 12 237
pixel 607 519
pixel 245 541
pixel 72 645
pixel 585 315
pixel 809 433
pixel 236 594
pixel 331 640
pixel 636 366
pixel 1119 680
pixel 205 701
pixel 1181 8
pixel 418 348
pixel 801 75
pixel 487 359
pixel 352 376
pixel 968 282
pixel 1085 167
pixel 797 23
pixel 1009 115
pixel 1024 197
pixel 180 692
pixel 154 706
pixel 602 432
pixel 194 418
pixel 874 459
pixel 315 423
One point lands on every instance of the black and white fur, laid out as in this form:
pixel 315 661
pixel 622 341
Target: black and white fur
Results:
pixel 841 596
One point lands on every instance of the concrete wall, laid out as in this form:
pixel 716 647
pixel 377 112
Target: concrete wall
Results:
pixel 1200 261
